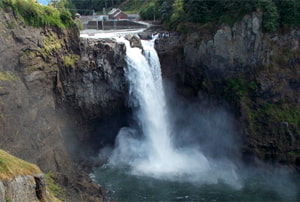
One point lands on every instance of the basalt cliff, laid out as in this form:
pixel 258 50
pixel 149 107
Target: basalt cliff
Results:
pixel 254 74
pixel 54 88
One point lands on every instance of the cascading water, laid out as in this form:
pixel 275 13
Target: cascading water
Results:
pixel 150 150
pixel 148 164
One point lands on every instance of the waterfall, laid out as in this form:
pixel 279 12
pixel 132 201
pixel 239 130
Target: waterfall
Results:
pixel 149 150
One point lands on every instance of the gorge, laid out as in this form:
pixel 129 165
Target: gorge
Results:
pixel 204 165
pixel 63 100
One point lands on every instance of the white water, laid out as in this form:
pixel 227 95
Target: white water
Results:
pixel 149 150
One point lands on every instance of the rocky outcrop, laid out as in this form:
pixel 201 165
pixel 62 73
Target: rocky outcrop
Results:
pixel 231 50
pixel 96 84
pixel 134 41
pixel 48 96
pixel 256 73
pixel 29 125
pixel 25 188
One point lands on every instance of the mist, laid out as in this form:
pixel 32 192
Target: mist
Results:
pixel 174 139
pixel 170 138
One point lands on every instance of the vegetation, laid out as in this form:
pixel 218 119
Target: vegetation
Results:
pixel 50 45
pixel 263 116
pixel 137 6
pixel 7 76
pixel 87 7
pixel 36 15
pixel 272 115
pixel 175 13
pixel 70 59
pixel 11 166
pixel 52 186
pixel 237 88
pixel 150 11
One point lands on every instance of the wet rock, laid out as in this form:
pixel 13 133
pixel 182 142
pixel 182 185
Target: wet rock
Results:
pixel 134 41
pixel 147 35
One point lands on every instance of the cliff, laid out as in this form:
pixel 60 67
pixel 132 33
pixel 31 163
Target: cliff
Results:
pixel 256 73
pixel 21 181
pixel 62 97
pixel 53 88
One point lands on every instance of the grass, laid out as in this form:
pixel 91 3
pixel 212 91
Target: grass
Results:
pixel 51 44
pixel 70 59
pixel 36 15
pixel 53 188
pixel 11 166
pixel 7 76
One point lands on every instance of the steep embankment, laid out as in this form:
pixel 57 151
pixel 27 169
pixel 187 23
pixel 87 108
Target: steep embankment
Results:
pixel 50 98
pixel 256 73
pixel 21 181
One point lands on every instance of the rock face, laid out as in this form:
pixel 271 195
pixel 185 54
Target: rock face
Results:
pixel 29 125
pixel 24 188
pixel 52 85
pixel 231 50
pixel 256 73
pixel 96 85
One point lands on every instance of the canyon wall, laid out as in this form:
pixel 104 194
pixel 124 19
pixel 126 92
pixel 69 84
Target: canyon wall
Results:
pixel 52 87
pixel 57 89
pixel 256 73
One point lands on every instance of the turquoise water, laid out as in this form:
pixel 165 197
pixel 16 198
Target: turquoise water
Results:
pixel 120 185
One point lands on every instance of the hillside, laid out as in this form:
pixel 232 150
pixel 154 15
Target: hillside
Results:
pixel 134 6
pixel 20 180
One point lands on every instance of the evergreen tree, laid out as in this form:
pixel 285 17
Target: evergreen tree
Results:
pixel 178 12
pixel 289 11
pixel 166 10
pixel 270 15
pixel 197 11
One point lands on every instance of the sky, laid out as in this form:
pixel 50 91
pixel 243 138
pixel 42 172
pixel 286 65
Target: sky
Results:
pixel 44 2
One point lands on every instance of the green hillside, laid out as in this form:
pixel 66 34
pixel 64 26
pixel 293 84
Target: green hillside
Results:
pixel 135 6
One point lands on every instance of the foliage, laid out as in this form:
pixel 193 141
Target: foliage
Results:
pixel 272 115
pixel 87 7
pixel 149 12
pixel 136 6
pixel 270 15
pixel 275 12
pixel 178 14
pixel 11 166
pixel 289 12
pixel 237 88
pixel 50 45
pixel 197 11
pixel 7 76
pixel 71 59
pixel 78 23
pixel 36 15
pixel 52 186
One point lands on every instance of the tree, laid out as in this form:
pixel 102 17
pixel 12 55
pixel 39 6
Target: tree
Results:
pixel 289 12
pixel 178 12
pixel 165 10
pixel 197 11
pixel 149 12
pixel 270 15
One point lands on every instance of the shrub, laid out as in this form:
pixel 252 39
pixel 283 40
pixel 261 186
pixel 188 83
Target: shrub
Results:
pixel 270 15
pixel 149 12
pixel 36 15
